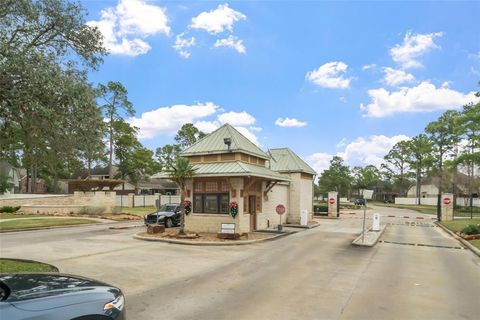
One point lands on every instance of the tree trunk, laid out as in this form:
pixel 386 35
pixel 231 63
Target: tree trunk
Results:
pixel 182 209
pixel 110 157
pixel 419 178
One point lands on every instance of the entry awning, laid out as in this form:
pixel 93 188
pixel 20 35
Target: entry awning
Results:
pixel 236 169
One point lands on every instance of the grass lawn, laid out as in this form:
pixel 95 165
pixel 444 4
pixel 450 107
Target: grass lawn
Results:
pixel 458 225
pixel 420 208
pixel 12 265
pixel 139 211
pixel 12 215
pixel 459 211
pixel 476 243
pixel 42 222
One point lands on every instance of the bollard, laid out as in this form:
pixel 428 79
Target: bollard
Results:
pixel 376 222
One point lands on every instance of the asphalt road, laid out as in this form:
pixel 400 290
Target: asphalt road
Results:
pixel 416 271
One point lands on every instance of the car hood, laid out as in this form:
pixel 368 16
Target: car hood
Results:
pixel 54 290
pixel 162 213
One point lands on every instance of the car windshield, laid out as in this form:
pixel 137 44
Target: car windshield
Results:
pixel 167 208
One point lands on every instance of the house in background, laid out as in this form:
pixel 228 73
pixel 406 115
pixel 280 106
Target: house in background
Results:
pixel 150 186
pixel 12 174
pixel 158 185
pixel 430 186
pixel 230 168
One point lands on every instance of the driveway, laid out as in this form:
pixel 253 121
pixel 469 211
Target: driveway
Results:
pixel 416 271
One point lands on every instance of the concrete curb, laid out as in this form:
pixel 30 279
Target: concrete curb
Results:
pixel 326 217
pixel 357 241
pixel 59 270
pixel 202 243
pixel 463 241
pixel 302 227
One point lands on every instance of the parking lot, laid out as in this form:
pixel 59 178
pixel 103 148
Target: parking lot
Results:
pixel 413 272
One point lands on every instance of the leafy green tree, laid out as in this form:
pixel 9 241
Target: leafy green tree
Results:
pixel 42 86
pixel 167 155
pixel 188 135
pixel 367 177
pixel 396 163
pixel 180 172
pixel 5 183
pixel 115 98
pixel 419 158
pixel 135 162
pixel 469 123
pixel 444 135
pixel 336 177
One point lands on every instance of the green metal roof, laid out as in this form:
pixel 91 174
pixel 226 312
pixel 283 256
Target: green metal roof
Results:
pixel 285 160
pixel 213 144
pixel 236 169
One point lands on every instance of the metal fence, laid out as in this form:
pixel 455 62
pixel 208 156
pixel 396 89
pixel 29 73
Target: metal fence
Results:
pixel 134 201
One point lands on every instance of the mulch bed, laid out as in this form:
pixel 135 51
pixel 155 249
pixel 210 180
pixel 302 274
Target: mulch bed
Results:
pixel 468 237
pixel 203 236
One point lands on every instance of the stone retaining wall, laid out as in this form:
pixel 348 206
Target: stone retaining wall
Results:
pixel 100 202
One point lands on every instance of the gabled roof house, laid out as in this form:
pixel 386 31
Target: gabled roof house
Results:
pixel 231 168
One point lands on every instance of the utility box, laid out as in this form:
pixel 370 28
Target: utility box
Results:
pixel 304 217
pixel 376 222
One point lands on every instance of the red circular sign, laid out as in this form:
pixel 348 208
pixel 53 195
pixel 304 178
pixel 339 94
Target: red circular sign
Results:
pixel 280 209
pixel 331 200
pixel 446 201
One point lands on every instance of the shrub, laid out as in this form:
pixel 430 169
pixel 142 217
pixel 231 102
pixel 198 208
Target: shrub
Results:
pixel 8 209
pixel 320 208
pixel 471 229
pixel 92 210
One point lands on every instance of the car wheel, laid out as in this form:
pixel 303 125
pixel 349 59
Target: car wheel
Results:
pixel 169 223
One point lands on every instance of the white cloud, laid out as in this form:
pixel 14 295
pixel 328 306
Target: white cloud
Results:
pixel 206 126
pixel 242 121
pixel 237 118
pixel 474 55
pixel 330 75
pixel 125 26
pixel 231 42
pixel 290 122
pixel 218 20
pixel 369 66
pixel 342 143
pixel 414 45
pixel 371 150
pixel 249 134
pixel 425 97
pixel 394 77
pixel 182 44
pixel 343 99
pixel 167 120
pixel 319 161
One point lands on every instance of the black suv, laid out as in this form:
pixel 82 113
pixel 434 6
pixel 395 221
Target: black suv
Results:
pixel 360 201
pixel 168 214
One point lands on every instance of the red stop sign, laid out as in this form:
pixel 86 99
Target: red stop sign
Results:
pixel 280 209
pixel 446 201
pixel 331 200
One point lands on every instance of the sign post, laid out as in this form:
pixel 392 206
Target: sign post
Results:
pixel 332 204
pixel 447 207
pixel 367 194
pixel 280 210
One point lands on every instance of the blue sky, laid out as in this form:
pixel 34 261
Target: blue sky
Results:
pixel 323 78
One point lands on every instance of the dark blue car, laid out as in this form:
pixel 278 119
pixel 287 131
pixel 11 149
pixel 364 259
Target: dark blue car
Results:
pixel 55 296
